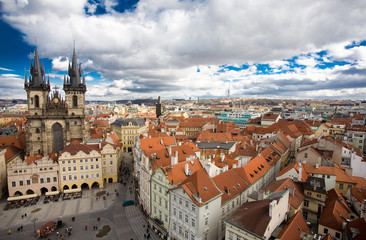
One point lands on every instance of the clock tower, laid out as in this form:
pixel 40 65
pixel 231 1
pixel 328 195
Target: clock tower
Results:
pixel 52 122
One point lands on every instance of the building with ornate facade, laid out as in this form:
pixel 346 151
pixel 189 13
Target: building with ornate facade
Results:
pixel 53 122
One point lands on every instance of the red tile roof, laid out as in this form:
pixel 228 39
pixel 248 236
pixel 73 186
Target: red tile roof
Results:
pixel 200 184
pixel 253 170
pixel 360 225
pixel 176 173
pixel 74 147
pixel 230 184
pixel 293 228
pixel 278 186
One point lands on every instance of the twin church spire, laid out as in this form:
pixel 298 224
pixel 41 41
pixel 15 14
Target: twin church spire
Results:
pixel 37 78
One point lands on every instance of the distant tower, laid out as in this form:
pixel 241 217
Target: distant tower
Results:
pixel 159 108
pixel 228 90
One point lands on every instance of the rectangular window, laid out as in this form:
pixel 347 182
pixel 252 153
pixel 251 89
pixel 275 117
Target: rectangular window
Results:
pixel 338 235
pixel 186 218
pixel 70 177
pixel 180 230
pixel 96 166
pixel 111 170
pixel 174 211
pixel 75 177
pixel 180 215
pixel 91 166
pixel 187 204
pixel 28 182
pixel 86 160
pixel 193 222
pixel 186 234
pixel 111 162
pixel 81 168
pixel 64 178
pixel 74 168
pixel 63 169
pixel 193 208
pixel 341 186
pixel 13 184
pixel 81 176
pixel 180 201
pixel 325 231
pixel 48 180
pixel 41 180
pixel 69 169
pixel 306 203
pixel 81 160
pixel 74 161
pixel 206 221
pixel 86 167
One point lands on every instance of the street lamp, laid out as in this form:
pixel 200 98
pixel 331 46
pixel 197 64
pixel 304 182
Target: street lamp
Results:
pixel 34 224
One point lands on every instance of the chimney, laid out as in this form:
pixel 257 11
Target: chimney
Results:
pixel 300 171
pixel 363 209
pixel 222 157
pixel 174 159
pixel 169 148
pixel 317 165
pixel 186 169
pixel 292 191
pixel 260 194
pixel 271 207
pixel 161 141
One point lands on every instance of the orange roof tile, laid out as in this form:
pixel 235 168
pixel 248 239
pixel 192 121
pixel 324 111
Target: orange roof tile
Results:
pixel 254 169
pixel 176 173
pixel 360 182
pixel 293 228
pixel 156 143
pixel 278 186
pixel 230 184
pixel 359 224
pixel 200 184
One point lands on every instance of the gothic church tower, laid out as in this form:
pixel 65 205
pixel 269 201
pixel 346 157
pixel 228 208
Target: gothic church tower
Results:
pixel 53 122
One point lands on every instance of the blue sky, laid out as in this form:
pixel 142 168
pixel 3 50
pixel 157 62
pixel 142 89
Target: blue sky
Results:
pixel 180 49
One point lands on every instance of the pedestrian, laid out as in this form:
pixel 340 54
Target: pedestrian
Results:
pixel 9 231
pixel 25 215
pixel 21 228
pixel 57 234
pixel 18 229
pixel 70 228
pixel 69 234
pixel 22 216
pixel 98 219
pixel 86 228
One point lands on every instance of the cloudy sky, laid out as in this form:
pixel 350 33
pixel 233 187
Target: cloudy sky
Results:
pixel 190 48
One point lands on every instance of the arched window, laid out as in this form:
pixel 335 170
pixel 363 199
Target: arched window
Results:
pixel 36 101
pixel 74 101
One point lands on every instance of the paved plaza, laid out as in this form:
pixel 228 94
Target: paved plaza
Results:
pixel 125 223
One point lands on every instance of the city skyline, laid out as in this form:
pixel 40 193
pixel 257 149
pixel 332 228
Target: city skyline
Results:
pixel 183 49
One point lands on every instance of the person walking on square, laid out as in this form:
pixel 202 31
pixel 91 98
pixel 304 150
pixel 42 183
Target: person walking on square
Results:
pixel 86 228
pixel 9 232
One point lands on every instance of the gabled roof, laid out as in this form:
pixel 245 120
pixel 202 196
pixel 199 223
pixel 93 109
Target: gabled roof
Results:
pixel 341 176
pixel 333 216
pixel 356 229
pixel 11 152
pixel 334 195
pixel 125 122
pixel 293 228
pixel 200 184
pixel 294 166
pixel 360 182
pixel 278 186
pixel 33 158
pixel 230 184
pixel 252 216
pixel 74 147
pixel 176 173
pixel 253 170
pixel 156 143
pixel 270 155
pixel 359 194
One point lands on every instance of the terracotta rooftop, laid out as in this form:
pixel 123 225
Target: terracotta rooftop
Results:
pixel 278 186
pixel 156 143
pixel 252 216
pixel 176 173
pixel 253 170
pixel 356 229
pixel 295 166
pixel 76 147
pixel 200 184
pixel 333 216
pixel 293 228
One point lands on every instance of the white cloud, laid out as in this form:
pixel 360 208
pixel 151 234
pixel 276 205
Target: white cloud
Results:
pixel 157 47
pixel 6 69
